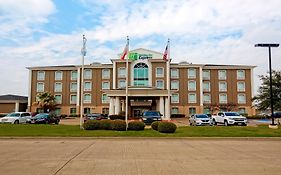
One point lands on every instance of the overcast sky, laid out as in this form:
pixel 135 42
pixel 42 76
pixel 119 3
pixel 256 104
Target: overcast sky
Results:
pixel 46 32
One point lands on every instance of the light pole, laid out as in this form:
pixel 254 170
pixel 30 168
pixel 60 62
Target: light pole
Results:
pixel 270 75
pixel 83 52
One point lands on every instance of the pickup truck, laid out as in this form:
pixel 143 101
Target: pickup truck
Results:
pixel 229 118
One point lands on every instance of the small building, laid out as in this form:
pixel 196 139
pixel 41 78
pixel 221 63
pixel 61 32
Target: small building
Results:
pixel 13 103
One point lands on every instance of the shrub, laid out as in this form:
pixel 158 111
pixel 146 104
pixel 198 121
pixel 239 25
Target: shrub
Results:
pixel 105 124
pixel 118 125
pixel 92 125
pixel 115 117
pixel 177 115
pixel 167 127
pixel 136 125
pixel 63 116
pixel 154 125
pixel 73 115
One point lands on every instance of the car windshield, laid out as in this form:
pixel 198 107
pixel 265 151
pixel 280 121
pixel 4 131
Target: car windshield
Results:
pixel 13 114
pixel 150 113
pixel 202 116
pixel 38 116
pixel 232 114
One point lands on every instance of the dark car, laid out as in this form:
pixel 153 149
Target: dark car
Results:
pixel 95 116
pixel 44 118
pixel 150 116
pixel 277 114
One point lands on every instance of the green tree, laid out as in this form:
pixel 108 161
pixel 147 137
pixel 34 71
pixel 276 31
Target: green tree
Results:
pixel 262 100
pixel 46 101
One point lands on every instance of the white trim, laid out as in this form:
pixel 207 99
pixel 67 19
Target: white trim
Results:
pixel 29 89
pixel 201 85
pixel 114 75
pixel 78 87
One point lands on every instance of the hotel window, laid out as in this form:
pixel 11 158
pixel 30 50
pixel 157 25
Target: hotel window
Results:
pixel 160 84
pixel 40 75
pixel 223 98
pixel 87 110
pixel 191 98
pixel 121 83
pixel 105 111
pixel 105 85
pixel 192 111
pixel 58 98
pixel 206 74
pixel 242 111
pixel 87 98
pixel 141 74
pixel 206 110
pixel 241 74
pixel 241 99
pixel 87 86
pixel 105 73
pixel 175 98
pixel 222 74
pixel 58 75
pixel 175 110
pixel 121 72
pixel 104 99
pixel 206 86
pixel 73 99
pixel 40 87
pixel 191 85
pixel 191 73
pixel 87 74
pixel 174 73
pixel 58 87
pixel 73 75
pixel 174 84
pixel 222 86
pixel 73 87
pixel 240 86
pixel 72 111
pixel 207 98
pixel 159 72
pixel 58 111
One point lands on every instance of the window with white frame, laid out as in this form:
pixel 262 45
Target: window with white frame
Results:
pixel 73 111
pixel 87 74
pixel 73 99
pixel 105 73
pixel 192 111
pixel 87 86
pixel 58 98
pixel 206 98
pixel 242 111
pixel 121 72
pixel 191 98
pixel 58 111
pixel 73 75
pixel 191 85
pixel 105 85
pixel 175 110
pixel 87 98
pixel 223 98
pixel 206 74
pixel 40 87
pixel 58 75
pixel 241 74
pixel 160 84
pixel 222 86
pixel 121 83
pixel 191 72
pixel 206 86
pixel 222 74
pixel 105 98
pixel 41 75
pixel 73 87
pixel 207 110
pixel 175 98
pixel 174 73
pixel 241 86
pixel 174 84
pixel 58 87
pixel 159 72
pixel 241 98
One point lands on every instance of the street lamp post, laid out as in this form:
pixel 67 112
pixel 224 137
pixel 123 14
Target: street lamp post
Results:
pixel 83 52
pixel 270 75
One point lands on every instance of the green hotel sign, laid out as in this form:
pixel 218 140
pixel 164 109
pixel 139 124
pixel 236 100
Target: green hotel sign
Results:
pixel 137 56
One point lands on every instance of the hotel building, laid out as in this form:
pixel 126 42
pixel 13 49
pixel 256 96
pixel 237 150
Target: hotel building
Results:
pixel 194 88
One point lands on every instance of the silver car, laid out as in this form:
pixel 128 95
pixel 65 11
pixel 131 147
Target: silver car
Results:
pixel 199 119
pixel 16 118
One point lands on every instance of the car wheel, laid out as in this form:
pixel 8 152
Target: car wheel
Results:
pixel 214 122
pixel 225 123
pixel 16 122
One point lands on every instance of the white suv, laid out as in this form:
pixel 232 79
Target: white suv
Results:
pixel 229 118
pixel 16 117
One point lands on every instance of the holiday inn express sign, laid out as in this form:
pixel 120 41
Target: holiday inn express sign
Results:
pixel 137 56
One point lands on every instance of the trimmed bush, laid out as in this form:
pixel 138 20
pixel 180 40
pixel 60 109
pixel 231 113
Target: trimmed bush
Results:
pixel 136 125
pixel 167 127
pixel 105 124
pixel 177 115
pixel 154 125
pixel 73 115
pixel 92 125
pixel 117 117
pixel 118 125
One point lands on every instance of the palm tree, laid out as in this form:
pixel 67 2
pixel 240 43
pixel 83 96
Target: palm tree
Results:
pixel 46 101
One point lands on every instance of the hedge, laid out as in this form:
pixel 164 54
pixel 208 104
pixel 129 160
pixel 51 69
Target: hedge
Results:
pixel 136 125
pixel 92 125
pixel 106 124
pixel 118 125
pixel 115 117
pixel 154 125
pixel 167 127
pixel 177 115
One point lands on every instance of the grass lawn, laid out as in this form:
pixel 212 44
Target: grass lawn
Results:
pixel 7 130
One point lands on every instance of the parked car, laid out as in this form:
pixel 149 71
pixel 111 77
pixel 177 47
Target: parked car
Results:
pixel 44 118
pixel 95 116
pixel 16 117
pixel 229 118
pixel 277 114
pixel 150 116
pixel 199 120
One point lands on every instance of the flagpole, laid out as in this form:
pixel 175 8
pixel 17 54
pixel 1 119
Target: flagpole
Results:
pixel 83 52
pixel 127 82
pixel 168 110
